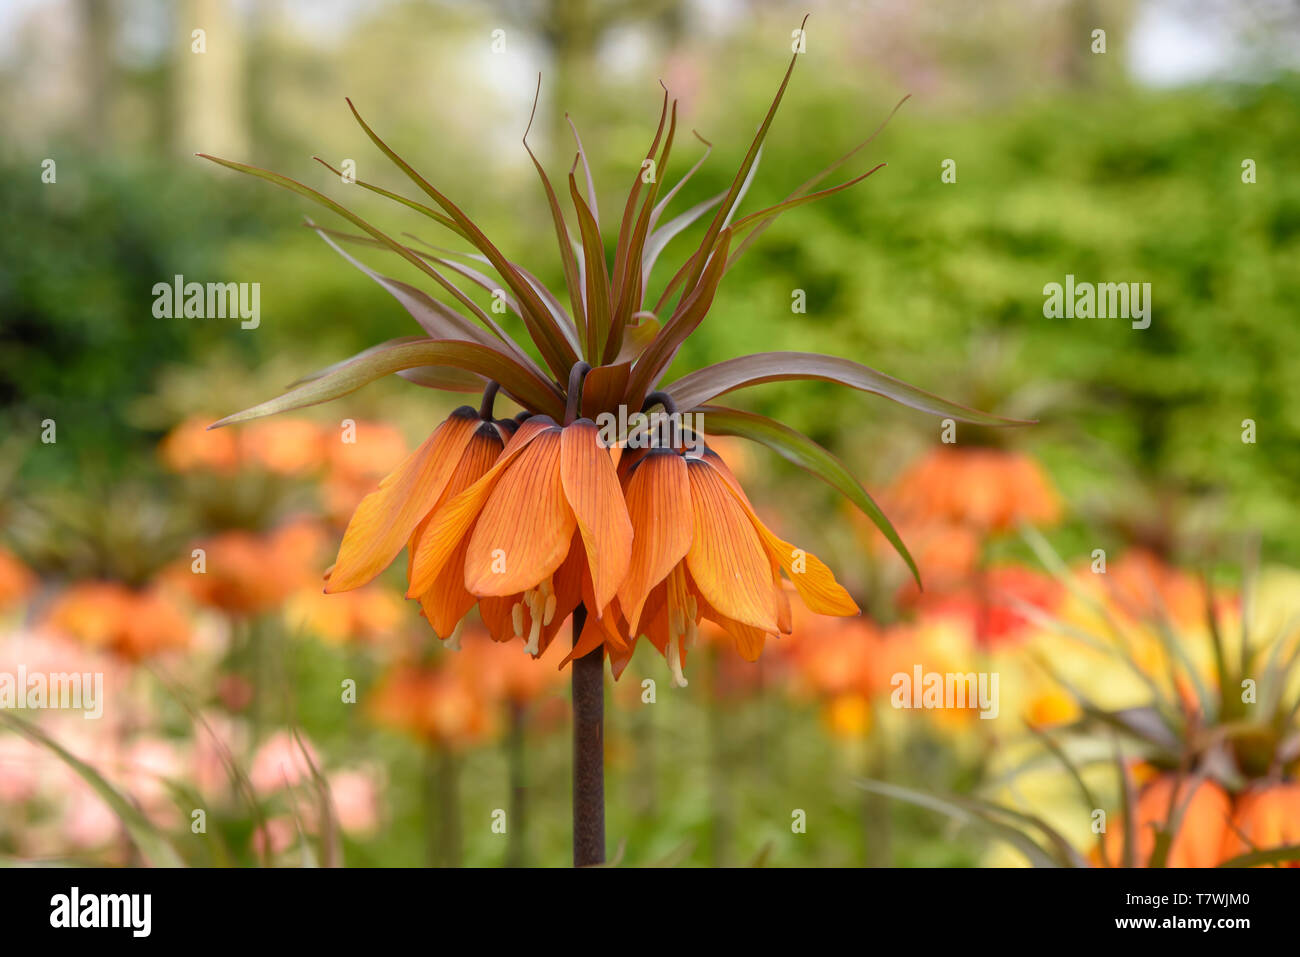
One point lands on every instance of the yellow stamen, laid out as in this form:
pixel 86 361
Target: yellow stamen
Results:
pixel 675 660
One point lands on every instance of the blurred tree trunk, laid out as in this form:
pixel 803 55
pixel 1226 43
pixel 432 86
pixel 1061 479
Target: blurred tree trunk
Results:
pixel 209 85
pixel 98 25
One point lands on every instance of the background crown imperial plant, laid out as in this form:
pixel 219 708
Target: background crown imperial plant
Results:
pixel 538 519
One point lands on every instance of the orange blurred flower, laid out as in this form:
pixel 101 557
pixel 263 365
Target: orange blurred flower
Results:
pixel 191 447
pixel 283 446
pixel 504 671
pixel 1266 816
pixel 1201 832
pixel 991 604
pixel 368 614
pixel 438 705
pixel 944 551
pixel 16 581
pixel 376 451
pixel 1051 707
pixel 987 489
pixel 354 467
pixel 1143 586
pixel 132 624
pixel 246 573
pixel 841 657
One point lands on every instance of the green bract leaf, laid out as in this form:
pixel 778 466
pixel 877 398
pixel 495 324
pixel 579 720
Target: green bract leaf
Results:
pixel 712 381
pixel 524 386
pixel 548 336
pixel 662 350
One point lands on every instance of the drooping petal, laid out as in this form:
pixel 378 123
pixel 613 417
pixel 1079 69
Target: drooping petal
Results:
pixel 784 619
pixel 748 639
pixel 658 497
pixel 726 559
pixel 567 586
pixel 596 633
pixel 592 489
pixel 525 527
pixel 497 614
pixel 386 517
pixel 446 601
pixel 452 521
pixel 812 577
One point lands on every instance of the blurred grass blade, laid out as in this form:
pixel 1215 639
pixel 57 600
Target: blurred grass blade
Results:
pixel 1274 855
pixel 963 811
pixel 152 844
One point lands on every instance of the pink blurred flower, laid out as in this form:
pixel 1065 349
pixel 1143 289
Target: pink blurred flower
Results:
pixel 356 801
pixel 275 837
pixel 279 762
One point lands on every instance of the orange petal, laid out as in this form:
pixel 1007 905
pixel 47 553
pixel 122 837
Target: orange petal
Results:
pixel 596 632
pixel 748 639
pixel 568 584
pixel 659 504
pixel 811 576
pixel 484 448
pixel 524 530
pixel 726 559
pixel 784 620
pixel 498 614
pixel 452 520
pixel 386 517
pixel 593 492
pixel 446 601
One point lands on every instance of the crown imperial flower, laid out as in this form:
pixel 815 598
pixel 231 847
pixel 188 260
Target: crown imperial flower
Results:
pixel 532 521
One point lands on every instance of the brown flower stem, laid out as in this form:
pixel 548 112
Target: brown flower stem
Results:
pixel 588 751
